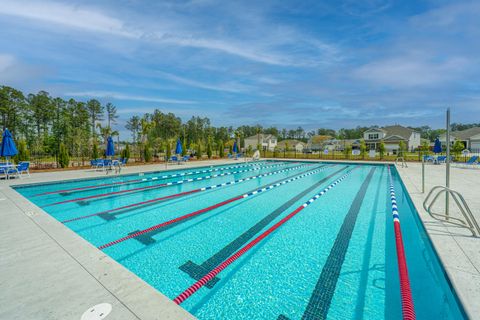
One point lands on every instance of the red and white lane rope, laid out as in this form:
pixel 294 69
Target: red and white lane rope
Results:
pixel 408 309
pixel 152 201
pixel 142 180
pixel 212 274
pixel 198 212
pixel 157 186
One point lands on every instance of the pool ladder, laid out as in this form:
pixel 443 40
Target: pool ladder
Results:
pixel 469 222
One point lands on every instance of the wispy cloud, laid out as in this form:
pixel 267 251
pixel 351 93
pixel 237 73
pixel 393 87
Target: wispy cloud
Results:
pixel 122 96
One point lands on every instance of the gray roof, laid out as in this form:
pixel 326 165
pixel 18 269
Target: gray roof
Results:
pixel 466 134
pixel 398 131
pixel 291 142
pixel 262 137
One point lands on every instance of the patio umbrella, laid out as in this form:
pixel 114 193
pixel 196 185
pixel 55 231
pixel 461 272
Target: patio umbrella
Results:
pixel 178 148
pixel 110 152
pixel 235 147
pixel 7 148
pixel 437 148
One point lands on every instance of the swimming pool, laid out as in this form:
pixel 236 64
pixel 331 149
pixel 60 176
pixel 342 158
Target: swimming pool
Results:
pixel 336 258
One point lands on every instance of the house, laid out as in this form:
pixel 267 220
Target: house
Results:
pixel 391 137
pixel 266 141
pixel 296 145
pixel 469 137
pixel 318 142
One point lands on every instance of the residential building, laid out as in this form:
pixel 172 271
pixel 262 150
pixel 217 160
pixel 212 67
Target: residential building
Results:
pixel 392 136
pixel 296 145
pixel 469 137
pixel 266 141
pixel 318 142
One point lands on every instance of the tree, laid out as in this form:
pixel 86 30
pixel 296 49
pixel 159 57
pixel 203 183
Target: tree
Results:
pixel 457 147
pixel 95 111
pixel 402 148
pixel 347 151
pixel 381 149
pixel 425 147
pixel 111 114
pixel 199 151
pixel 63 157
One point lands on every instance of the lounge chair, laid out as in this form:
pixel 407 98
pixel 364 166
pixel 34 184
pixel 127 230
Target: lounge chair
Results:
pixel 428 159
pixel 173 159
pixel 185 158
pixel 471 162
pixel 230 156
pixel 23 167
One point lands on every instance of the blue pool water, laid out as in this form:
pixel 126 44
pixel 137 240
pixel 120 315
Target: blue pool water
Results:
pixel 335 259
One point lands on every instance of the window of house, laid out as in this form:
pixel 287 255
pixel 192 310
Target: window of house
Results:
pixel 372 136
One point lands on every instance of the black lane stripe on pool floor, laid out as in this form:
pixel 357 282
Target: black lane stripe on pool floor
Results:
pixel 147 238
pixel 322 295
pixel 198 271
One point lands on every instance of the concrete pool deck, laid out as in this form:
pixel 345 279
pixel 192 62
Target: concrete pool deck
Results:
pixel 49 272
pixel 33 244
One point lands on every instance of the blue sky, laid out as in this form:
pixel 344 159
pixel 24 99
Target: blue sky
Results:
pixel 285 63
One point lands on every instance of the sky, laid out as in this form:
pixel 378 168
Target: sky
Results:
pixel 313 64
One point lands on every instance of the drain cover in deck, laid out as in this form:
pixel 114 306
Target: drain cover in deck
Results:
pixel 97 312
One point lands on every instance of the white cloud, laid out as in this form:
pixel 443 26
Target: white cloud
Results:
pixel 6 61
pixel 227 86
pixel 66 15
pixel 122 96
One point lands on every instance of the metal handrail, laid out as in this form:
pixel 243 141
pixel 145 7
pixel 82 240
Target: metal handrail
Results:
pixel 469 222
pixel 403 162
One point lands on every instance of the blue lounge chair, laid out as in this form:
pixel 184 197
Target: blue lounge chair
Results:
pixel 185 158
pixel 471 162
pixel 23 168
pixel 428 159
pixel 173 159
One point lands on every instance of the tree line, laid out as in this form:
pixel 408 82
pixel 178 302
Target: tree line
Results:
pixel 46 126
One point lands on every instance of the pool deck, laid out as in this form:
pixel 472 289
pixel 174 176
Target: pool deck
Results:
pixel 49 272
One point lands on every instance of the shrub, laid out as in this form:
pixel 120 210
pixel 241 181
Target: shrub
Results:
pixel 63 157
pixel 95 151
pixel 147 153
pixel 126 152
pixel 23 153
pixel 221 149
pixel 209 150
pixel 168 151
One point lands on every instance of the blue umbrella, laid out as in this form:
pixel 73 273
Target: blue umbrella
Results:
pixel 178 148
pixel 110 147
pixel 437 148
pixel 235 147
pixel 8 148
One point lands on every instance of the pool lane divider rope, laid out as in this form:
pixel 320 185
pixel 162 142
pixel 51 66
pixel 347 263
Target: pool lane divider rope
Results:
pixel 212 274
pixel 135 181
pixel 197 271
pixel 156 200
pixel 408 309
pixel 215 206
pixel 157 186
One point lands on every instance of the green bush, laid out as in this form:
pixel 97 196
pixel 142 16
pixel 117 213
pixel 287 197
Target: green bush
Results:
pixel 147 153
pixel 126 152
pixel 63 157
pixel 184 148
pixel 199 151
pixel 95 151
pixel 23 153
pixel 168 151
pixel 221 149
pixel 209 150
pixel 381 149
